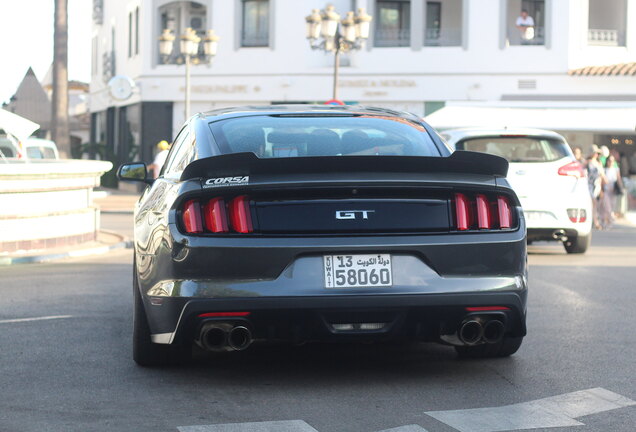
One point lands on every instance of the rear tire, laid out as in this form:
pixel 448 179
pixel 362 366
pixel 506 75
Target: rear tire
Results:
pixel 145 352
pixel 506 347
pixel 579 245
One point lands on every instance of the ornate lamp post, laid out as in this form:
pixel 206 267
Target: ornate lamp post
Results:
pixel 189 48
pixel 325 31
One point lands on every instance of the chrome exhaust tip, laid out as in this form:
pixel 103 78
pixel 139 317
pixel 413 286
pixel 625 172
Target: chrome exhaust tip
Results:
pixel 214 337
pixel 239 338
pixel 560 235
pixel 493 331
pixel 470 332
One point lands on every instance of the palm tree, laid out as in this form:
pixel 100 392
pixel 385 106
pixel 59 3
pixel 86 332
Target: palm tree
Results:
pixel 59 112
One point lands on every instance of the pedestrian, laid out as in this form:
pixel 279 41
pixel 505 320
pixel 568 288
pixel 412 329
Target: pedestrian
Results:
pixel 613 188
pixel 160 158
pixel 578 155
pixel 595 175
pixel 525 25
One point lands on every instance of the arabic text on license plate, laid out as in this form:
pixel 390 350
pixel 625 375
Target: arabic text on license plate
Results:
pixel 348 271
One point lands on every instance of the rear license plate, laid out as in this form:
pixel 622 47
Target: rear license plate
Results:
pixel 349 271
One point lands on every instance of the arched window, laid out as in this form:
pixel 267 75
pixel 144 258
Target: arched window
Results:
pixel 179 15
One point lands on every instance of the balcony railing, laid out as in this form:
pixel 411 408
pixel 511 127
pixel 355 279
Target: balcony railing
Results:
pixel 603 37
pixel 443 37
pixel 392 37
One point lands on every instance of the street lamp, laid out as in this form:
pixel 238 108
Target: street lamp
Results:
pixel 189 47
pixel 325 31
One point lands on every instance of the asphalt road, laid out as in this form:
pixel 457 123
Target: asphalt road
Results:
pixel 75 372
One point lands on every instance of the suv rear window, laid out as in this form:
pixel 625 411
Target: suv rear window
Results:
pixel 303 135
pixel 518 148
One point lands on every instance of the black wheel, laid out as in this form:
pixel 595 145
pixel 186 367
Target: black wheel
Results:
pixel 145 352
pixel 507 347
pixel 578 245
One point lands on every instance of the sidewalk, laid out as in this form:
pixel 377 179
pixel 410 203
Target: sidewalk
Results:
pixel 106 241
pixel 114 201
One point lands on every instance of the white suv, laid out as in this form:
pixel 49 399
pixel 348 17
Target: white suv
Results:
pixel 550 183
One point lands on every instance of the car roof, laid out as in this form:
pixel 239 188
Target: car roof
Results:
pixel 454 135
pixel 305 109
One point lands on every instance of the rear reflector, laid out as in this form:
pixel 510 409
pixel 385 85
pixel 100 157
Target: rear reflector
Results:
pixel 215 217
pixel 240 217
pixel 483 212
pixel 573 169
pixel 505 213
pixel 486 308
pixel 462 212
pixel 223 314
pixel 192 217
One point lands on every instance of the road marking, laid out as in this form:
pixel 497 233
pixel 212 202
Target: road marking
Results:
pixel 44 318
pixel 407 428
pixel 555 411
pixel 269 426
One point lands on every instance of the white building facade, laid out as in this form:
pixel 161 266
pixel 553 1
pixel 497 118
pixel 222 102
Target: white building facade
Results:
pixel 421 55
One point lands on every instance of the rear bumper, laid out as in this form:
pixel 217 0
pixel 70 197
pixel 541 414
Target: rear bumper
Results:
pixel 414 316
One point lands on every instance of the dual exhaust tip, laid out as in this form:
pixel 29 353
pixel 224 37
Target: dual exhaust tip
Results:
pixel 224 337
pixel 473 331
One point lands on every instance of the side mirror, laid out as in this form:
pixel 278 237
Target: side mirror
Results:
pixel 134 172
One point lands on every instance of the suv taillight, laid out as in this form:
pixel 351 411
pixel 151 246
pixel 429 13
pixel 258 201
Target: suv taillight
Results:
pixel 219 217
pixel 482 213
pixel 573 169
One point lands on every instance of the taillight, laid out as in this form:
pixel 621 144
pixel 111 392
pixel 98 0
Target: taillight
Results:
pixel 240 217
pixel 573 169
pixel 505 213
pixel 462 212
pixel 481 212
pixel 215 217
pixel 577 215
pixel 192 217
pixel 218 216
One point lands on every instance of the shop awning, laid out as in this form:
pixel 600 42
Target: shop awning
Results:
pixel 598 119
pixel 17 126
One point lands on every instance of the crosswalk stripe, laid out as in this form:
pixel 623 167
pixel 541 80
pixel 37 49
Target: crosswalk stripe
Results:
pixel 555 411
pixel 44 318
pixel 407 428
pixel 268 426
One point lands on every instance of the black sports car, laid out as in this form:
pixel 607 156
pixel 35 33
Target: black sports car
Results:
pixel 317 223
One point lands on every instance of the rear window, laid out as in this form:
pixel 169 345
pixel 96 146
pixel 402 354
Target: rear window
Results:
pixel 518 148
pixel 40 152
pixel 293 136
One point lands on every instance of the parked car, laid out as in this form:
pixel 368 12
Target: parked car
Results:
pixel 550 183
pixel 324 223
pixel 31 148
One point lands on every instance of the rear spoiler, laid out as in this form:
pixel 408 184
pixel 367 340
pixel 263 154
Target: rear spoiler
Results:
pixel 245 164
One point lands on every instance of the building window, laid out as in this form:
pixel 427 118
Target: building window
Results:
pixel 526 22
pixel 393 23
pixel 443 23
pixel 255 25
pixel 607 23
pixel 136 30
pixel 95 56
pixel 130 34
pixel 179 15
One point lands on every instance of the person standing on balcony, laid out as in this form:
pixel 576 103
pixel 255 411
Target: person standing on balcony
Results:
pixel 525 25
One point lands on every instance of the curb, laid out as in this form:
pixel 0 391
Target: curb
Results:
pixel 98 250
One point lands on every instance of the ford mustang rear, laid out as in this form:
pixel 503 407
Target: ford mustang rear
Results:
pixel 325 224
